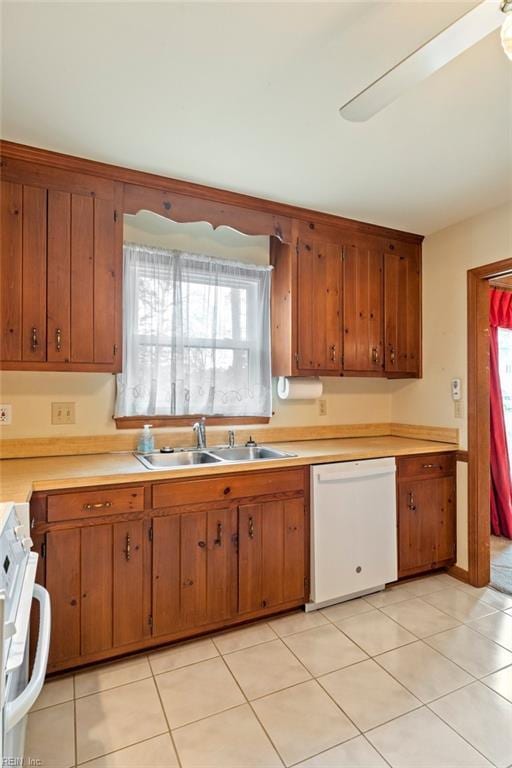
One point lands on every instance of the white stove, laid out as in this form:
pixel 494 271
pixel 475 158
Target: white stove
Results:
pixel 17 589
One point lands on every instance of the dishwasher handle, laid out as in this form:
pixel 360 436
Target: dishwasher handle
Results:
pixel 330 477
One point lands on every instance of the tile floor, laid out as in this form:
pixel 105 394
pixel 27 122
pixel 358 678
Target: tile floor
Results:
pixel 417 676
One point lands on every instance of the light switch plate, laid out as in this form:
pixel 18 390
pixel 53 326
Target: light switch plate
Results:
pixel 458 409
pixel 5 414
pixel 63 413
pixel 322 407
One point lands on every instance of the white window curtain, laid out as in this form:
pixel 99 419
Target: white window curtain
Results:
pixel 196 336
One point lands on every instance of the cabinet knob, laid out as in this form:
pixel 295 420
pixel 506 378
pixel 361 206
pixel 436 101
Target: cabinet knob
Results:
pixel 201 544
pixel 227 490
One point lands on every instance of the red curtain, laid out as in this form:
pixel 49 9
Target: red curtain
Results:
pixel 501 487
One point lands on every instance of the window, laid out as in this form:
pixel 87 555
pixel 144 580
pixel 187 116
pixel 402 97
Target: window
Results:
pixel 196 336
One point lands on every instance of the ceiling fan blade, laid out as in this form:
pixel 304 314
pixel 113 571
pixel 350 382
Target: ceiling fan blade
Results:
pixel 452 41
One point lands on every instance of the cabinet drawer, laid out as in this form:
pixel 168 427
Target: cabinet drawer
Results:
pixel 426 465
pixel 71 506
pixel 226 487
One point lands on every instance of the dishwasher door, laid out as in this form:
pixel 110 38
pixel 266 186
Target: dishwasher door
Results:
pixel 353 529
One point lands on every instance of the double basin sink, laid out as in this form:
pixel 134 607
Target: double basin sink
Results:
pixel 185 458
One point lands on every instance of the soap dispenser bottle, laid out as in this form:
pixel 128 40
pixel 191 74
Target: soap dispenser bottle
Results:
pixel 146 442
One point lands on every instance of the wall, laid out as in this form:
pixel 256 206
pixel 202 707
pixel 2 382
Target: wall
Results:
pixel 31 394
pixel 447 255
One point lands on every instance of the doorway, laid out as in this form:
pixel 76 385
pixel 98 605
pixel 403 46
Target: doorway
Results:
pixel 479 421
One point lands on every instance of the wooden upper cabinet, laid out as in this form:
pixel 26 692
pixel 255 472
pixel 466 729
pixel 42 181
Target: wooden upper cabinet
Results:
pixel 318 307
pixel 350 305
pixel 402 310
pixel 61 267
pixel 363 324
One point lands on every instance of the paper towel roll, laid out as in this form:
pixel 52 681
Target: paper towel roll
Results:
pixel 299 389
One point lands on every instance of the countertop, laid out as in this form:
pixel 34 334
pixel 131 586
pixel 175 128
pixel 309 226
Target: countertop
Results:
pixel 20 477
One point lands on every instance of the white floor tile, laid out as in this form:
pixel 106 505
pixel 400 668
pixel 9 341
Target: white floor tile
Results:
pixel 324 649
pixel 483 718
pixel 356 753
pixel 182 655
pixel 424 671
pixel 368 694
pixel 459 604
pixel 421 740
pixel 374 632
pixel 471 651
pixel 117 718
pixel 497 627
pixel 501 682
pixel 50 739
pixel 297 622
pixel 391 596
pixel 266 668
pixel 54 692
pixel 157 752
pixel 111 675
pixel 420 618
pixel 231 739
pixel 343 610
pixel 197 691
pixel 302 721
pixel 244 638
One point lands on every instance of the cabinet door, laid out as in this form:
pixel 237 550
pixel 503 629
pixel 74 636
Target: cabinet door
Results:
pixel 23 268
pixel 194 569
pixel 63 584
pixel 318 307
pixel 166 606
pixel 81 279
pixel 128 582
pixel 402 311
pixel 271 565
pixel 96 576
pixel 426 523
pixel 363 348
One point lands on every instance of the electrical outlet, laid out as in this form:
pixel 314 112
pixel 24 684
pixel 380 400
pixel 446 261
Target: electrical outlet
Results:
pixel 459 409
pixel 63 413
pixel 5 414
pixel 322 407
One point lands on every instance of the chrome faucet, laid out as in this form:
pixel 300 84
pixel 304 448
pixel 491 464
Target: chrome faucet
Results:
pixel 231 438
pixel 200 430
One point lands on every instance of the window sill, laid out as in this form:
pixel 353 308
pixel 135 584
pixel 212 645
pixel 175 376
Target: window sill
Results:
pixel 133 422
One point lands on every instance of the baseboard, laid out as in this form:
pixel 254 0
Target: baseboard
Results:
pixel 459 573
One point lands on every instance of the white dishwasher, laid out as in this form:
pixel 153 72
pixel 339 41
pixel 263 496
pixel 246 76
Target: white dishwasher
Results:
pixel 353 529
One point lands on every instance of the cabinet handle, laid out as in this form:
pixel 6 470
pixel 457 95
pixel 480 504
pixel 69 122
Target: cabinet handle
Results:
pixel 58 339
pixel 411 504
pixel 35 342
pixel 218 540
pixel 201 544
pixel 98 505
pixel 392 355
pixel 332 349
pixel 251 528
pixel 432 466
pixel 375 355
pixel 128 549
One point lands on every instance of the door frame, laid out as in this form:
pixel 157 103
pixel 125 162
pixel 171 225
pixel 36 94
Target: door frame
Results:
pixel 479 480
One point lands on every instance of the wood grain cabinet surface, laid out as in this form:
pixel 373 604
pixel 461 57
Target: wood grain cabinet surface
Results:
pixel 349 306
pixel 426 497
pixel 61 242
pixel 129 574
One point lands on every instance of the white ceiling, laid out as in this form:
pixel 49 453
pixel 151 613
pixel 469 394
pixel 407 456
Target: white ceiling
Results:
pixel 245 96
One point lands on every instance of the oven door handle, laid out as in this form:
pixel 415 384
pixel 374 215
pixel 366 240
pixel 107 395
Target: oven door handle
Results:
pixel 16 709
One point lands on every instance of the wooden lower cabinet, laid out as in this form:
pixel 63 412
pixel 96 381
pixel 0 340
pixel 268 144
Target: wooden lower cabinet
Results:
pixel 95 578
pixel 194 567
pixel 271 566
pixel 137 578
pixel 426 515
